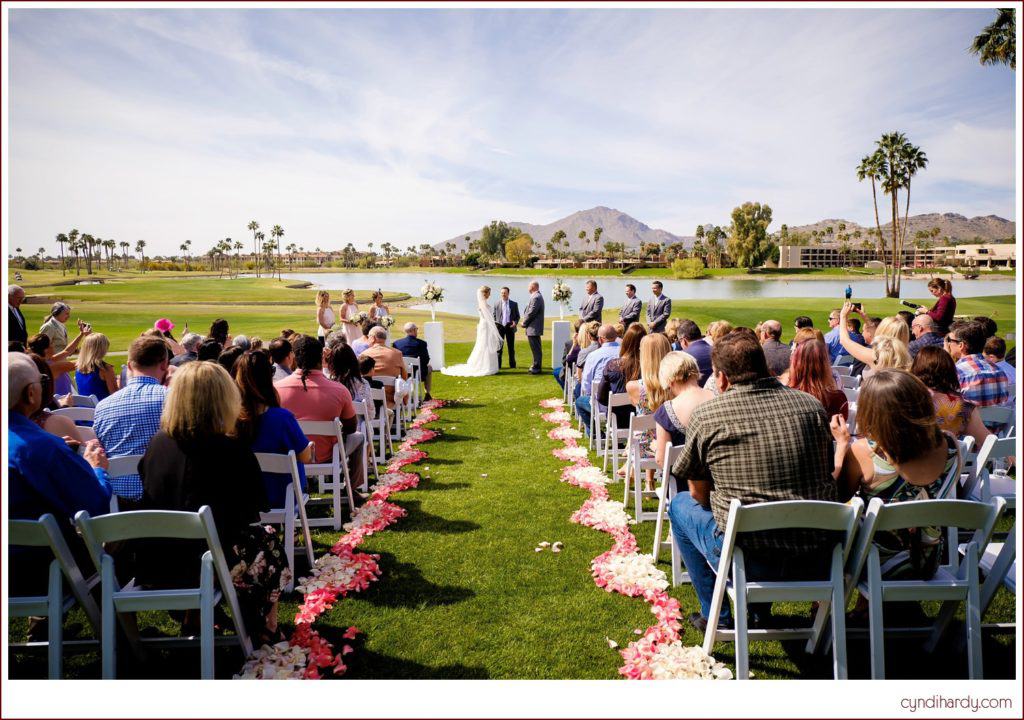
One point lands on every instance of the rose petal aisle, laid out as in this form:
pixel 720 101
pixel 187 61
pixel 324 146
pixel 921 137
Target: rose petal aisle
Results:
pixel 659 652
pixel 306 655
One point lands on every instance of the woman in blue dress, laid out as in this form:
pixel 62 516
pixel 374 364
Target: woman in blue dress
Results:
pixel 93 375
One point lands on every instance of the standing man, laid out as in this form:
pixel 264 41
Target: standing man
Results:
pixel 533 322
pixel 506 317
pixel 659 308
pixel 592 305
pixel 16 329
pixel 630 312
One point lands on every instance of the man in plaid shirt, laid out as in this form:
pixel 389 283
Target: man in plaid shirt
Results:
pixel 981 382
pixel 758 441
pixel 126 421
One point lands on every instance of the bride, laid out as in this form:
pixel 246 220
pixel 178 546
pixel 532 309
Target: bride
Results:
pixel 484 358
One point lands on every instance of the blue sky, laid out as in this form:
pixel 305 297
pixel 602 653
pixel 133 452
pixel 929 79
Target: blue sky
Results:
pixel 412 126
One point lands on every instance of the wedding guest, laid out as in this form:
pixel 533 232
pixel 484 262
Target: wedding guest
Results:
pixel 804 334
pixel 190 343
pixel 60 366
pixel 360 345
pixel 282 357
pixel 533 324
pixel 832 337
pixel 936 369
pixel 219 331
pixel 811 373
pixel 672 333
pixel 591 344
pixel 694 344
pixel 593 304
pixel 55 329
pixel 17 329
pixel 925 334
pixel 229 358
pixel 344 367
pixel 324 315
pixel 126 421
pixel 647 393
pixel 981 382
pixel 630 312
pixel 944 309
pixel 411 346
pixel 209 350
pixel 164 326
pixel 775 352
pixel 717 330
pixel 995 353
pixel 569 354
pixel 242 342
pixel 890 327
pixel 622 370
pixel 93 375
pixel 593 367
pixel 659 308
pixel 59 425
pixel 679 374
pixel 194 461
pixel 855 334
pixel 265 426
pixel 349 312
pixel 802 321
pixel 386 361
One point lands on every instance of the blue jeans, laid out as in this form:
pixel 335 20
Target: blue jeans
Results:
pixel 583 409
pixel 700 545
pixel 559 372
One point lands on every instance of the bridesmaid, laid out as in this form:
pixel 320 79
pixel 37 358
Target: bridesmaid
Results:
pixel 378 310
pixel 324 315
pixel 348 313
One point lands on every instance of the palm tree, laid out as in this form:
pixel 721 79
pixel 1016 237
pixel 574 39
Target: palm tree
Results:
pixel 912 159
pixel 111 248
pixel 61 240
pixel 238 257
pixel 87 242
pixel 184 254
pixel 140 248
pixel 254 227
pixel 598 231
pixel 73 247
pixel 277 232
pixel 582 236
pixel 995 43
pixel 124 252
pixel 872 168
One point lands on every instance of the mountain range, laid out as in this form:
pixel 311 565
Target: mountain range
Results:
pixel 620 227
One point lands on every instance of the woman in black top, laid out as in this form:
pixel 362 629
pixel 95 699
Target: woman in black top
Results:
pixel 623 369
pixel 194 461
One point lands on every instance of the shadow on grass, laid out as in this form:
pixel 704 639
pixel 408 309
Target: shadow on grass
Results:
pixel 369 665
pixel 420 521
pixel 431 485
pixel 403 585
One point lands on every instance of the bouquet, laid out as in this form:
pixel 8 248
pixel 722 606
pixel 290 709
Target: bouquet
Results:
pixel 360 317
pixel 433 294
pixel 387 321
pixel 561 294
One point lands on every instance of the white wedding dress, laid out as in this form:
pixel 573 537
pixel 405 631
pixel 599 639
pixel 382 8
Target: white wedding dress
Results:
pixel 484 358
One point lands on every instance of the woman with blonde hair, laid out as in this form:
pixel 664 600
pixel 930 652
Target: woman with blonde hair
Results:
pixel 807 333
pixel 672 332
pixel 195 460
pixel 888 353
pixel 324 315
pixel 891 327
pixel 679 375
pixel 647 392
pixel 349 321
pixel 717 330
pixel 93 375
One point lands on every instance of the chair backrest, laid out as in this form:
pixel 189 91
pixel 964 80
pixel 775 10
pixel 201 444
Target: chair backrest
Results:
pixel 850 381
pixel 412 365
pixel 76 414
pixel 84 401
pixel 386 380
pixel 851 394
pixel 851 419
pixel 124 465
pixel 952 477
pixel 282 464
pixel 641 423
pixel 320 427
pixel 845 360
pixel 995 448
pixel 672 453
pixel 377 394
pixel 995 415
pixel 842 370
pixel 792 514
pixel 963 514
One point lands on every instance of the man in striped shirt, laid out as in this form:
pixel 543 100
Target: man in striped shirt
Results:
pixel 981 382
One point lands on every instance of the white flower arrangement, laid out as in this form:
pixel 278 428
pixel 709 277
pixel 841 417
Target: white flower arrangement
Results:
pixel 387 321
pixel 432 293
pixel 360 317
pixel 561 293
pixel 672 661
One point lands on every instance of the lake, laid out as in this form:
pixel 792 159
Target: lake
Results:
pixel 460 290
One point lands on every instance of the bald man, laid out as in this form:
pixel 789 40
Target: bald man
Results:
pixel 775 352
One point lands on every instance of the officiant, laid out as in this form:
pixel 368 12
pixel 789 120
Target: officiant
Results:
pixel 506 317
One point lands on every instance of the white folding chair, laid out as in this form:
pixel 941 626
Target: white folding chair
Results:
pixel 80 401
pixel 616 439
pixel 369 453
pixel 119 467
pixel 667 491
pixel 637 466
pixel 412 366
pixel 806 514
pixel 130 599
pixel 397 425
pixel 999 563
pixel 851 418
pixel 596 421
pixel 332 476
pixel 293 498
pixel 849 381
pixel 998 419
pixel 985 483
pixel 382 429
pixel 842 370
pixel 851 394
pixel 76 414
pixel 45 532
pixel 951 585
pixel 844 359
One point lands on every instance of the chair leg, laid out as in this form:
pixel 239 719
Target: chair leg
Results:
pixel 739 582
pixel 336 493
pixel 638 496
pixel 875 617
pixel 206 617
pixel 108 619
pixel 289 542
pixel 839 666
pixel 55 618
pixel 973 615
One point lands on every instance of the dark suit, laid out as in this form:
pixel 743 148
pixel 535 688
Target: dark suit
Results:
pixel 507 330
pixel 630 312
pixel 16 328
pixel 533 323
pixel 700 351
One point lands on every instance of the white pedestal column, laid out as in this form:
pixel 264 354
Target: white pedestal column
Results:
pixel 433 335
pixel 561 331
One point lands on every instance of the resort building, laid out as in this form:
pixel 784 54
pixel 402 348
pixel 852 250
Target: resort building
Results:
pixel 829 256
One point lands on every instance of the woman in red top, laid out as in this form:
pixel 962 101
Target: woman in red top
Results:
pixel 811 372
pixel 945 307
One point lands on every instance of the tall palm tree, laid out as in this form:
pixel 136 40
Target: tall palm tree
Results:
pixel 140 248
pixel 254 227
pixel 238 257
pixel 598 232
pixel 912 159
pixel 995 43
pixel 88 241
pixel 583 236
pixel 277 233
pixel 61 241
pixel 124 252
pixel 73 248
pixel 872 167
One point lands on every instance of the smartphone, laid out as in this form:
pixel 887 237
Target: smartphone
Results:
pixel 856 306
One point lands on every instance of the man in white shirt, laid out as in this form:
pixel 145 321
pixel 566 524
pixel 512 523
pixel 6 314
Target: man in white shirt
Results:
pixel 506 317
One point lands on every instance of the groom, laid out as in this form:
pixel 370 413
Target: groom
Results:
pixel 533 321
pixel 506 317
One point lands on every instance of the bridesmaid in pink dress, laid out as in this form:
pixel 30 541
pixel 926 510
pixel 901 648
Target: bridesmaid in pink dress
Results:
pixel 348 312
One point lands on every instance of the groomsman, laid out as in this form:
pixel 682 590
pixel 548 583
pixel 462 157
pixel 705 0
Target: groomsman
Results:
pixel 533 323
pixel 659 308
pixel 592 305
pixel 506 317
pixel 630 312
pixel 16 328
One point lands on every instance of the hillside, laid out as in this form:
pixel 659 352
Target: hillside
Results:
pixel 952 225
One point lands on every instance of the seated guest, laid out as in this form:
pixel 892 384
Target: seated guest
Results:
pixel 209 351
pixel 241 341
pixel 194 461
pixel 925 334
pixel 775 352
pixel 366 365
pixel 902 456
pixel 593 367
pixel 229 358
pixel 907 317
pixel 283 358
pixel 832 341
pixel 693 343
pixel 219 332
pixel 647 393
pixel 590 344
pixel 60 366
pixel 988 325
pixel 855 331
pixel 982 382
pixel 672 332
pixel 94 376
pixel 59 425
pixel 360 345
pixel 386 361
pixel 621 370
pixel 936 369
pixel 995 353
pixel 801 322
pixel 190 344
pixel 811 373
pixel 411 346
pixel 342 366
pixel 569 353
pixel 888 354
pixel 891 327
pixel 265 426
pixel 678 374
pixel 310 395
pixel 126 421
pixel 718 330
pixel 45 476
pixel 728 439
pixel 807 334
